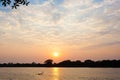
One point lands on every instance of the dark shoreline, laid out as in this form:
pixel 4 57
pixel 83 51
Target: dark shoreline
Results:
pixel 56 67
pixel 68 64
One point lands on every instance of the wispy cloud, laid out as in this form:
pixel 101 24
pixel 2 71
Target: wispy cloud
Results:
pixel 65 23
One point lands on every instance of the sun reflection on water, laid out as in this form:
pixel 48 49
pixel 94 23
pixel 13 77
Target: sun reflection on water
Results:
pixel 55 73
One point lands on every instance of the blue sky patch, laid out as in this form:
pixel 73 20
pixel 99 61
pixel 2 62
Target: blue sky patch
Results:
pixel 97 1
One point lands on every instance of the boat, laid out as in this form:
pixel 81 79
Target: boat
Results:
pixel 41 73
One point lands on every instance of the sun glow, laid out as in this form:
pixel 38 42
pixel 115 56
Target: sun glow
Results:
pixel 55 54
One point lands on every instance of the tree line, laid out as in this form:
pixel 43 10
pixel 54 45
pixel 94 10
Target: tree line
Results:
pixel 67 63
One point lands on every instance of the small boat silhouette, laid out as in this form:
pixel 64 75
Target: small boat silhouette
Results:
pixel 41 73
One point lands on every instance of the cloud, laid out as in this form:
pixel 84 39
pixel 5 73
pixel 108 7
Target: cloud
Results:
pixel 79 23
pixel 102 45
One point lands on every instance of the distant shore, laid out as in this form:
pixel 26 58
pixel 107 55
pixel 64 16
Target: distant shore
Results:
pixel 68 63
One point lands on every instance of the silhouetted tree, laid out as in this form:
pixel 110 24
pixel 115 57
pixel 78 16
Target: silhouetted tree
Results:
pixel 48 62
pixel 33 63
pixel 65 63
pixel 89 63
pixel 14 3
pixel 78 63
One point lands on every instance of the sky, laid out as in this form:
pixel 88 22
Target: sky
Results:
pixel 76 29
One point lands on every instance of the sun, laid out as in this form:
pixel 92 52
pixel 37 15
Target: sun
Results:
pixel 55 54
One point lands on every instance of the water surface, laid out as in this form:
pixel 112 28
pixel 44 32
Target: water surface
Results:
pixel 59 73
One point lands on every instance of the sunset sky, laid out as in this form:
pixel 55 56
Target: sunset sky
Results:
pixel 76 29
